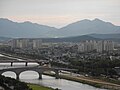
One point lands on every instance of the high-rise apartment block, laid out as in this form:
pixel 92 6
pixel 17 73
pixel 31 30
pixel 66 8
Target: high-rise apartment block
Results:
pixel 99 46
pixel 19 43
pixel 37 43
pixel 25 43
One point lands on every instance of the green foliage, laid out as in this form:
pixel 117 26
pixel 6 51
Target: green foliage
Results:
pixel 38 87
pixel 7 83
pixel 94 67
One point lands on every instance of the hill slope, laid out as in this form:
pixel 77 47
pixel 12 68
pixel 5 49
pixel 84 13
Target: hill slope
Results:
pixel 70 39
pixel 105 36
pixel 12 29
pixel 25 29
pixel 87 27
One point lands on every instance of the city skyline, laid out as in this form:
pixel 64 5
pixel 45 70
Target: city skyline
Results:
pixel 59 44
pixel 60 13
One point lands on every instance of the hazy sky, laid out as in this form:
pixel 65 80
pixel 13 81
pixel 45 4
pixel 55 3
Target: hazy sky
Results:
pixel 59 13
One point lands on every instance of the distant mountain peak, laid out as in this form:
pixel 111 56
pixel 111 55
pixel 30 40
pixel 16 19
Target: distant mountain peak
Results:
pixel 5 20
pixel 27 22
pixel 85 20
pixel 97 20
pixel 9 28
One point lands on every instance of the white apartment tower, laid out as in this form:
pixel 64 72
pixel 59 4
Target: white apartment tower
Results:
pixel 81 47
pixel 22 43
pixel 108 45
pixel 99 46
pixel 37 43
pixel 19 43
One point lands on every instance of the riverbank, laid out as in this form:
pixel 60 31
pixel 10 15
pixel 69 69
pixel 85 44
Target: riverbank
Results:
pixel 7 83
pixel 38 87
pixel 90 81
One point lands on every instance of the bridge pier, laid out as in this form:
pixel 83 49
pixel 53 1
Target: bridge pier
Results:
pixel 57 75
pixel 17 76
pixel 11 64
pixel 40 75
pixel 26 63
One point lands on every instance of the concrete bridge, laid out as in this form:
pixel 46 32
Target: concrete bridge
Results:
pixel 39 69
pixel 23 61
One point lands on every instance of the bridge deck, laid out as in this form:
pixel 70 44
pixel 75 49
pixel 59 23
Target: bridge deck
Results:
pixel 21 61
pixel 41 67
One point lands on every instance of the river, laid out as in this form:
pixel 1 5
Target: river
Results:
pixel 32 77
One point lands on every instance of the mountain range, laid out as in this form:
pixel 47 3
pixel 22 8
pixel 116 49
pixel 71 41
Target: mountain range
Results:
pixel 105 36
pixel 70 39
pixel 27 29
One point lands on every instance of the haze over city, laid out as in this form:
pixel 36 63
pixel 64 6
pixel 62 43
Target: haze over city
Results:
pixel 59 13
pixel 59 45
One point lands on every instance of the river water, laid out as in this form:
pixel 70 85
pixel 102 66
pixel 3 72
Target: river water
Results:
pixel 32 77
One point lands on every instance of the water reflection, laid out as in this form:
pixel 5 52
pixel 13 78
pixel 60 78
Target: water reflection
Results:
pixel 32 77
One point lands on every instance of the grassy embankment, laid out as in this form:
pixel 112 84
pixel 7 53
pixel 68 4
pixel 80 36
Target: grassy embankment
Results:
pixel 90 81
pixel 39 87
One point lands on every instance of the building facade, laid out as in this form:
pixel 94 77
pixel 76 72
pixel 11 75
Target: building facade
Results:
pixel 99 46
